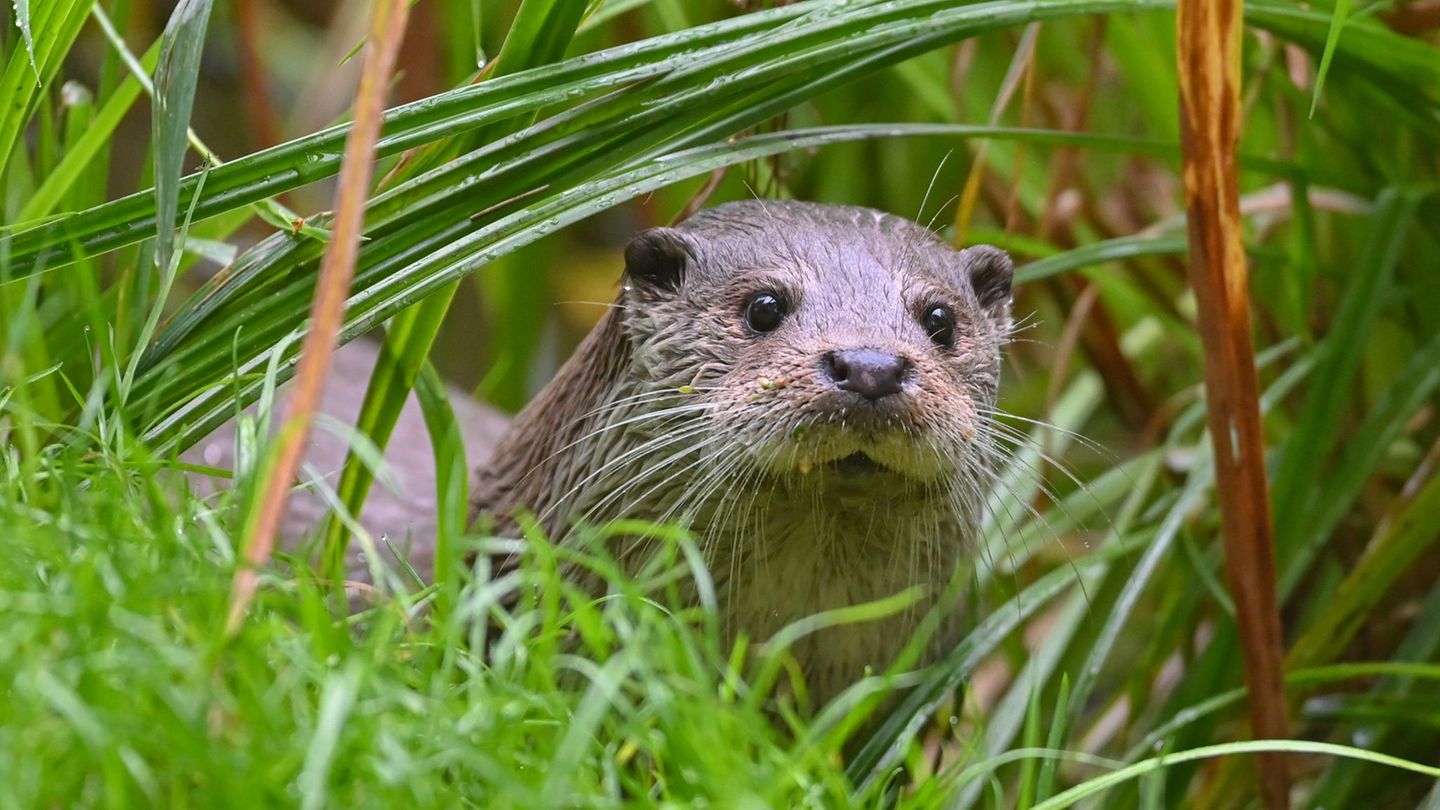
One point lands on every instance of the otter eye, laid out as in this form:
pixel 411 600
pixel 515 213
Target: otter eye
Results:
pixel 939 324
pixel 765 311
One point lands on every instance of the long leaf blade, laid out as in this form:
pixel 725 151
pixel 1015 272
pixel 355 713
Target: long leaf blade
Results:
pixel 176 74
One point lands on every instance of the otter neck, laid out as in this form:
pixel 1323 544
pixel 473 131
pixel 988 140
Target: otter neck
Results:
pixel 535 452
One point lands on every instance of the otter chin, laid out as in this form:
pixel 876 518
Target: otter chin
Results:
pixel 858 464
pixel 809 388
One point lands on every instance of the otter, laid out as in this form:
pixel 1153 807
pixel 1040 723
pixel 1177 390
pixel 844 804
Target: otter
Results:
pixel 809 388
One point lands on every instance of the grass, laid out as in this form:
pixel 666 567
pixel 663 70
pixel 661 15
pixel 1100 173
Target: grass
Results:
pixel 1102 664
pixel 123 688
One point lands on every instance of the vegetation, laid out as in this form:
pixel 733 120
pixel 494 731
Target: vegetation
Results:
pixel 1104 664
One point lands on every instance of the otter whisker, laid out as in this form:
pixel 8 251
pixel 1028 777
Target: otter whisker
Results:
pixel 723 466
pixel 698 490
pixel 1005 494
pixel 1050 529
pixel 1023 442
pixel 1040 423
pixel 741 492
pixel 646 475
pixel 646 416
pixel 640 451
pixel 648 395
pixel 1019 463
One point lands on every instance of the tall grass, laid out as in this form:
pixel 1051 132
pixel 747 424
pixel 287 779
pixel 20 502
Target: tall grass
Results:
pixel 1104 660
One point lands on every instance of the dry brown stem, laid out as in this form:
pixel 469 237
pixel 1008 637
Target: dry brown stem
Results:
pixel 337 269
pixel 1209 62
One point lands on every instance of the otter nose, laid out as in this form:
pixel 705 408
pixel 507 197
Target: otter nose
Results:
pixel 870 373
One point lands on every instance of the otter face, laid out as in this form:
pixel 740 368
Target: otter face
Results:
pixel 822 343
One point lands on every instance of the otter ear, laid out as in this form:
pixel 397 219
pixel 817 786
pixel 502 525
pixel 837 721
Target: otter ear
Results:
pixel 991 273
pixel 657 257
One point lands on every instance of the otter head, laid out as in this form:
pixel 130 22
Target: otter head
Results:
pixel 821 346
pixel 810 388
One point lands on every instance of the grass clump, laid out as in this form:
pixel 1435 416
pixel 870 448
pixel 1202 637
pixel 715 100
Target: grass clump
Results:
pixel 124 691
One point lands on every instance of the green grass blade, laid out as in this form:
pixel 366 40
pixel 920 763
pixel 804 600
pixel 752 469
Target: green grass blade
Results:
pixel 1315 434
pixel 1029 738
pixel 1202 478
pixel 1045 783
pixel 1338 16
pixel 1403 537
pixel 168 273
pixel 1298 678
pixel 1108 250
pixel 29 71
pixel 1098 785
pixel 1406 62
pixel 875 757
pixel 1347 779
pixel 1361 455
pixel 336 702
pixel 539 34
pixel 176 74
pixel 312 157
pixel 402 356
pixel 91 143
pixel 22 21
pixel 451 483
pixel 1021 705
